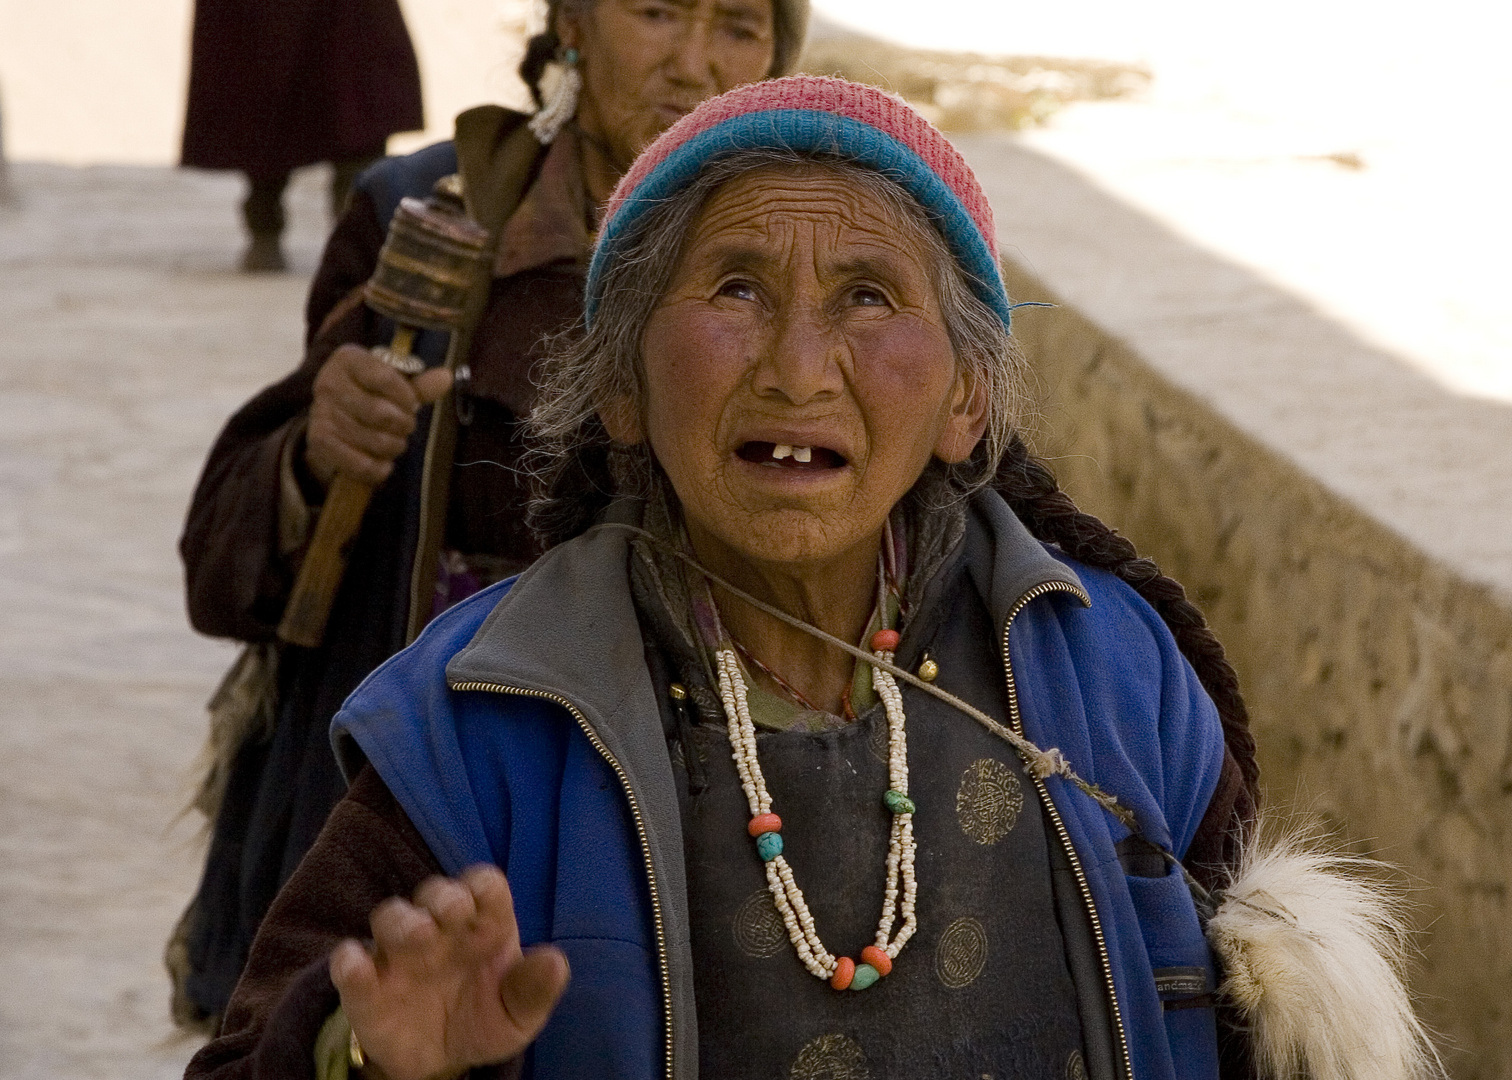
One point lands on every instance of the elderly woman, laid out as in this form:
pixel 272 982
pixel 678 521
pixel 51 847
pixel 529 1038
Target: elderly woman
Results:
pixel 448 514
pixel 797 748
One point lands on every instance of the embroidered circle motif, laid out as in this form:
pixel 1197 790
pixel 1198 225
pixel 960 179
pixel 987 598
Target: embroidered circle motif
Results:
pixel 989 800
pixel 961 954
pixel 830 1057
pixel 759 931
pixel 1076 1068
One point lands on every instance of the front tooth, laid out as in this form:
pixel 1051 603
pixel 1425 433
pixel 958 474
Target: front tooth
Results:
pixel 783 450
pixel 803 454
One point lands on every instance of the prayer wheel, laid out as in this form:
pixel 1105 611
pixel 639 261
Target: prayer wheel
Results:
pixel 432 261
pixel 433 254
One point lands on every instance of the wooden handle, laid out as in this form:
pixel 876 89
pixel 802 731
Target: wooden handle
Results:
pixel 304 618
pixel 309 606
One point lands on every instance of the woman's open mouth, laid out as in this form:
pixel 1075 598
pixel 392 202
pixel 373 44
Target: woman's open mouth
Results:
pixel 784 456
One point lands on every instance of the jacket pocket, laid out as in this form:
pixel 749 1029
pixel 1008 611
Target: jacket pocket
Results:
pixel 1180 961
pixel 1181 968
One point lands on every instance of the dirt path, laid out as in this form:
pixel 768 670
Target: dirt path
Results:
pixel 126 344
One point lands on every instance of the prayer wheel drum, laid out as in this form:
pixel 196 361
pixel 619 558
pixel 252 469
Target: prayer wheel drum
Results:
pixel 429 261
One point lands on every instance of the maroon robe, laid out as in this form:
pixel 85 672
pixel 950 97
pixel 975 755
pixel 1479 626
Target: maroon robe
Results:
pixel 275 84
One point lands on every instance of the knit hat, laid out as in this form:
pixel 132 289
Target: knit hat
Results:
pixel 812 113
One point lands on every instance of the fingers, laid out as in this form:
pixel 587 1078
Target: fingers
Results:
pixel 429 386
pixel 400 927
pixel 362 414
pixel 449 903
pixel 353 972
pixel 490 892
pixel 352 371
pixel 446 986
pixel 477 905
pixel 336 441
pixel 531 986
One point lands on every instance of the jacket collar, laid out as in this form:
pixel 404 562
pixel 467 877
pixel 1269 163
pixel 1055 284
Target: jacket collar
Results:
pixel 550 223
pixel 1019 562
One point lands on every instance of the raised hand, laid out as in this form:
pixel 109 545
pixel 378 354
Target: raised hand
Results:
pixel 363 413
pixel 446 987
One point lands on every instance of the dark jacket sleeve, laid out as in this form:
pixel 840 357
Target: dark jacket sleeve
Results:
pixel 237 581
pixel 1214 851
pixel 1211 858
pixel 367 852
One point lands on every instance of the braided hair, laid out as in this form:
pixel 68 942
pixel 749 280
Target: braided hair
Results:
pixel 1035 496
pixel 542 48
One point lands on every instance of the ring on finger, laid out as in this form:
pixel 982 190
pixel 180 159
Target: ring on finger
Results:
pixel 404 363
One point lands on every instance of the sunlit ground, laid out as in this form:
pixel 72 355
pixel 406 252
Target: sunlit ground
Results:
pixel 1355 153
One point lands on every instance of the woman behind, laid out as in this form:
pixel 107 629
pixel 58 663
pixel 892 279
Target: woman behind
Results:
pixel 611 75
pixel 790 663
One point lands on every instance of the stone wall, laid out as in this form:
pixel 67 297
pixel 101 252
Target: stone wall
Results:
pixel 1380 681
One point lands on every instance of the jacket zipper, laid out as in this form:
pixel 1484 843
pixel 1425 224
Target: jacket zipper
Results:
pixel 640 828
pixel 1121 1041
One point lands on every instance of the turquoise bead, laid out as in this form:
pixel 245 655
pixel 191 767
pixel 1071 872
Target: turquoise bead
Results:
pixel 864 977
pixel 898 802
pixel 769 846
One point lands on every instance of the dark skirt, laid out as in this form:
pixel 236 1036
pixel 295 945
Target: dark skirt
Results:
pixel 275 84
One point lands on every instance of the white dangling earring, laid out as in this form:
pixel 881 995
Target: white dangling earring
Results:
pixel 561 101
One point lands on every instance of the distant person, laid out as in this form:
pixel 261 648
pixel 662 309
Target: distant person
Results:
pixel 610 75
pixel 277 84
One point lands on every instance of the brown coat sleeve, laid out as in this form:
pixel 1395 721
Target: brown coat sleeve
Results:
pixel 367 852
pixel 237 580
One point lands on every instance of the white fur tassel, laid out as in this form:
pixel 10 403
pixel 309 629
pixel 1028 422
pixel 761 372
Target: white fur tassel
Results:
pixel 1314 946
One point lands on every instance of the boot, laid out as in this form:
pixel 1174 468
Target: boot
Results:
pixel 263 213
pixel 264 255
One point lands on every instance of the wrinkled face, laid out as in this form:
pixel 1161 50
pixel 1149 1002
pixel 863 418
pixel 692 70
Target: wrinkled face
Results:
pixel 646 63
pixel 798 374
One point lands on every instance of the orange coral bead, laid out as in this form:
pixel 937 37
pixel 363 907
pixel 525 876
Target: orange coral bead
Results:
pixel 877 958
pixel 764 823
pixel 845 971
pixel 885 641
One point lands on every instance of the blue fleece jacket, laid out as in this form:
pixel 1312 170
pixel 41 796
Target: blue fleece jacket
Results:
pixel 522 729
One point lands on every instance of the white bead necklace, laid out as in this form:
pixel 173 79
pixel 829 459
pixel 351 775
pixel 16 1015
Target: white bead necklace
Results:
pixel 766 828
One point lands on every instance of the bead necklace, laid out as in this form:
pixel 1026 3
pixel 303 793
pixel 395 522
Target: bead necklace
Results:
pixel 765 828
pixel 1041 764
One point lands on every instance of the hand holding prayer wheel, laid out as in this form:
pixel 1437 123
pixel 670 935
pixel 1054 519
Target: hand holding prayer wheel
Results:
pixel 365 401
